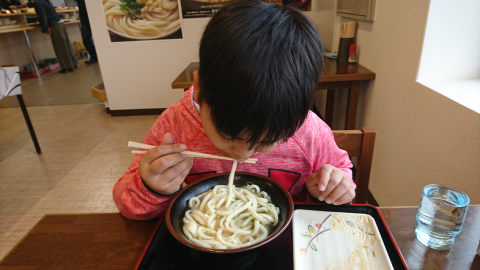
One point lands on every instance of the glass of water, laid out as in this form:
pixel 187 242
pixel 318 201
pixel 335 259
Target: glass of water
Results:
pixel 440 216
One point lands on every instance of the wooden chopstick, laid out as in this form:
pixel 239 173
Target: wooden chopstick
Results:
pixel 186 153
pixel 347 29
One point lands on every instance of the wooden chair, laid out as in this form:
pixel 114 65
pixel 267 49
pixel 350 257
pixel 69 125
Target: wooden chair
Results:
pixel 360 144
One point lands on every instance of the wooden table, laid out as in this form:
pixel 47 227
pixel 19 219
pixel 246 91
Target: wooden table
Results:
pixel 334 76
pixel 109 241
pixel 402 223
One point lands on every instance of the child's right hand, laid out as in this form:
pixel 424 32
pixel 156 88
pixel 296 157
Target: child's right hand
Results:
pixel 164 168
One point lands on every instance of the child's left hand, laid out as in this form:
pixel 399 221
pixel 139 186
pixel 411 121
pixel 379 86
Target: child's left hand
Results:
pixel 331 185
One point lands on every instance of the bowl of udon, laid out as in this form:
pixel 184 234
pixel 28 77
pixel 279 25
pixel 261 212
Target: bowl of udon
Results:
pixel 222 214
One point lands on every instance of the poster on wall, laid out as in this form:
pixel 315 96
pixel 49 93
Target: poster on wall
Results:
pixel 139 20
pixel 201 8
pixel 207 8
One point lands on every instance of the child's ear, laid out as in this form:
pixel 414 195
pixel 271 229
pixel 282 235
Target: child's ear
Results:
pixel 196 86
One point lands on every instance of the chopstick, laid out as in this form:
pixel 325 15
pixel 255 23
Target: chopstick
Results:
pixel 186 153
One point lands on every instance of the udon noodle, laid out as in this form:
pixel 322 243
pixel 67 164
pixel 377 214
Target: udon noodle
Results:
pixel 230 217
pixel 155 18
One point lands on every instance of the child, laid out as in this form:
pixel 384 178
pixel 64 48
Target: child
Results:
pixel 260 64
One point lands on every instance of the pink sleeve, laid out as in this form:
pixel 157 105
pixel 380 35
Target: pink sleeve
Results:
pixel 131 196
pixel 326 150
pixel 339 158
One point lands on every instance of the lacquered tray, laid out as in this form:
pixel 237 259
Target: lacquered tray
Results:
pixel 165 252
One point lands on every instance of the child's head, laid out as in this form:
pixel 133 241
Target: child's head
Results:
pixel 260 64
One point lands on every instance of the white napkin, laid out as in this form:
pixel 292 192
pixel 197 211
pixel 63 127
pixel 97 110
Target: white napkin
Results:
pixel 9 82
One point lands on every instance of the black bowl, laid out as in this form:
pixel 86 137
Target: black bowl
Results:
pixel 179 205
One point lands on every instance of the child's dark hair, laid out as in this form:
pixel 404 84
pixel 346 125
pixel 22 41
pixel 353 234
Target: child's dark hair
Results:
pixel 260 65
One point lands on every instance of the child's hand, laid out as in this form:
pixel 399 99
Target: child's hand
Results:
pixel 163 168
pixel 331 185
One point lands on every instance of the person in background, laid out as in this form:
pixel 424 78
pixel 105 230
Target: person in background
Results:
pixel 86 32
pixel 53 25
pixel 5 4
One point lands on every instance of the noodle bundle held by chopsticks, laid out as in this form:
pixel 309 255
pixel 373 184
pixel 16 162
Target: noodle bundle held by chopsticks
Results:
pixel 229 216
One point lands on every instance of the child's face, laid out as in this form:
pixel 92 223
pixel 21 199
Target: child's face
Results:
pixel 236 149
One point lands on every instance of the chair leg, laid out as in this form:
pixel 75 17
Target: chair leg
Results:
pixel 364 164
pixel 330 107
pixel 29 123
pixel 371 200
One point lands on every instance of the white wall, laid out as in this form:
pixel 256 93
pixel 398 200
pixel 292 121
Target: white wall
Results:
pixel 423 137
pixel 138 74
pixel 460 35
pixel 323 16
pixel 455 28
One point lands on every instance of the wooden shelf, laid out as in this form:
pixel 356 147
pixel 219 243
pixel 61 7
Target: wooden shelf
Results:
pixel 24 26
pixel 22 23
pixel 33 13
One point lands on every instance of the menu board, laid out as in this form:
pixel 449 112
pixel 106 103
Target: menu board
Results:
pixel 207 8
pixel 199 9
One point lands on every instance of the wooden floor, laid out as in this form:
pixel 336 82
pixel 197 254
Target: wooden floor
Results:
pixel 84 152
pixel 53 88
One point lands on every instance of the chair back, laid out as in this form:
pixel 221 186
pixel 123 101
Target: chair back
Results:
pixel 360 144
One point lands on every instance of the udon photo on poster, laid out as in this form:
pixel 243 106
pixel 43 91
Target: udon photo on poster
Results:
pixel 137 20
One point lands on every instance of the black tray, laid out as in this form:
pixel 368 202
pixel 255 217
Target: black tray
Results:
pixel 165 252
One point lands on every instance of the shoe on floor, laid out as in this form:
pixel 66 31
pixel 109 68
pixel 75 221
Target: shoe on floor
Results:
pixel 91 61
pixel 65 70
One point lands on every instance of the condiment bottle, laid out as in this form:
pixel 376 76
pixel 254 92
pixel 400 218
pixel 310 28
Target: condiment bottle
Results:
pixel 352 56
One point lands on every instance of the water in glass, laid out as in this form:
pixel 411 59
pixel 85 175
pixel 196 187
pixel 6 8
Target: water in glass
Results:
pixel 440 216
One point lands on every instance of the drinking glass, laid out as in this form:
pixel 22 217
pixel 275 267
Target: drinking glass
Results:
pixel 440 215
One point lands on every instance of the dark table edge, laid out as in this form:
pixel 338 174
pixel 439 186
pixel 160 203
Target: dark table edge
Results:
pixel 147 246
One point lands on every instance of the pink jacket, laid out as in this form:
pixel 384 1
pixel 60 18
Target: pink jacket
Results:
pixel 289 163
